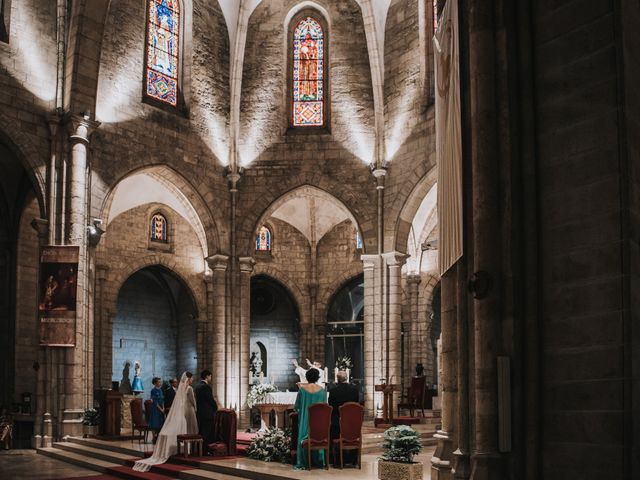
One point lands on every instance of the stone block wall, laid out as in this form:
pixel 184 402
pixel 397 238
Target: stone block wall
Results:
pixel 582 216
pixel 27 334
pixel 144 330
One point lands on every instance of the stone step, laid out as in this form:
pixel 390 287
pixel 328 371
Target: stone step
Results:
pixel 77 459
pixel 99 452
pixel 132 451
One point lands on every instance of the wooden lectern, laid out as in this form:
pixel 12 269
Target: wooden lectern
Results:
pixel 110 412
pixel 387 390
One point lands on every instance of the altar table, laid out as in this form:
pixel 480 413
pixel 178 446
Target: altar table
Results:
pixel 279 402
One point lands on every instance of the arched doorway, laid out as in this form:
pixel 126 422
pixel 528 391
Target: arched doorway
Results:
pixel 19 205
pixel 345 329
pixel 275 332
pixel 155 326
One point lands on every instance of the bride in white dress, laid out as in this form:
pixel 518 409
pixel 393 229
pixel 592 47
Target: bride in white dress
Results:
pixel 181 420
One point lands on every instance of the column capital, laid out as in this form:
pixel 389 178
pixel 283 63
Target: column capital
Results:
pixel 369 261
pixel 246 264
pixel 380 175
pixel 54 120
pixel 101 271
pixel 395 258
pixel 414 279
pixel 81 127
pixel 218 262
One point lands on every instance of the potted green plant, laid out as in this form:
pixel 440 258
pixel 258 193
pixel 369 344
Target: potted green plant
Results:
pixel 90 421
pixel 401 444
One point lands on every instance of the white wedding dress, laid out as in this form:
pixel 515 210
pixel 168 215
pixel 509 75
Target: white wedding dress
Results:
pixel 178 422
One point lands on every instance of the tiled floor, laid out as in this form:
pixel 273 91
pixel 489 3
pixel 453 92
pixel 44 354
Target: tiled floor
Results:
pixel 28 465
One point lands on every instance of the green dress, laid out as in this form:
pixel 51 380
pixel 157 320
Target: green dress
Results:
pixel 303 401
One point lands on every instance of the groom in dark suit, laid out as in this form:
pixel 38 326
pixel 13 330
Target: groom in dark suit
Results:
pixel 206 408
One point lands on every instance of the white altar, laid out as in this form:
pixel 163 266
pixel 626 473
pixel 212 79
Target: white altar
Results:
pixel 279 402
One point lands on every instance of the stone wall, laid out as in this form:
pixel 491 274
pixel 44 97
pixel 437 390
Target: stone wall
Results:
pixel 581 203
pixel 125 249
pixel 144 330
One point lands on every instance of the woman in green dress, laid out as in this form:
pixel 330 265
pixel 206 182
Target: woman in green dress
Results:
pixel 308 394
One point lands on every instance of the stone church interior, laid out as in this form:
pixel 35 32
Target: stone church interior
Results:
pixel 394 239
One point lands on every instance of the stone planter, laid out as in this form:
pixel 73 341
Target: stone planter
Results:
pixel 89 430
pixel 399 471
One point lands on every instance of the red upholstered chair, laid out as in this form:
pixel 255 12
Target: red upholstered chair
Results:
pixel 351 417
pixel 319 431
pixel 138 423
pixel 293 421
pixel 415 396
pixel 225 431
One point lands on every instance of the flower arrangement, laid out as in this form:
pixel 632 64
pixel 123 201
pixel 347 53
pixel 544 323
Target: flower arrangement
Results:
pixel 258 393
pixel 400 444
pixel 344 363
pixel 91 417
pixel 270 446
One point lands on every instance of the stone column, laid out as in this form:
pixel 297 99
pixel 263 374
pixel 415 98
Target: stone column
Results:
pixel 417 335
pixel 81 128
pixel 217 324
pixel 371 313
pixel 43 393
pixel 487 250
pixel 102 368
pixel 246 268
pixel 393 307
pixel 442 457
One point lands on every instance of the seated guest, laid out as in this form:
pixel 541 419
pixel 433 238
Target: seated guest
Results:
pixel 170 393
pixel 156 416
pixel 308 394
pixel 339 395
pixel 6 428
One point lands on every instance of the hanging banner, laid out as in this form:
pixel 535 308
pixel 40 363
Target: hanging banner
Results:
pixel 448 136
pixel 57 300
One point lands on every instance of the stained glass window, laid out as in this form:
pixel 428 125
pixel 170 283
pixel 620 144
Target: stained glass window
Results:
pixel 358 241
pixel 158 230
pixel 435 15
pixel 163 39
pixel 263 239
pixel 308 74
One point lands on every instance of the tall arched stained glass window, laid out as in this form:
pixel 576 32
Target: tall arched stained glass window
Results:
pixel 158 228
pixel 308 74
pixel 162 58
pixel 263 239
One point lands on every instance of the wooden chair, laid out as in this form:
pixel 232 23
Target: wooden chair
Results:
pixel 225 432
pixel 293 421
pixel 189 442
pixel 148 405
pixel 351 418
pixel 319 431
pixel 414 396
pixel 138 423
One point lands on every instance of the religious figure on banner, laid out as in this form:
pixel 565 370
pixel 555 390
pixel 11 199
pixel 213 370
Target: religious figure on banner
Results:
pixel 308 68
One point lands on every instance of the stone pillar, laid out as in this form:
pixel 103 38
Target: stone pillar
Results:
pixel 393 307
pixel 102 368
pixel 42 393
pixel 75 373
pixel 487 251
pixel 217 324
pixel 442 457
pixel 246 268
pixel 417 332
pixel 372 366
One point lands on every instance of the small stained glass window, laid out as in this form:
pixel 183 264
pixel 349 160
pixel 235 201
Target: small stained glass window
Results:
pixel 163 41
pixel 358 241
pixel 263 239
pixel 308 74
pixel 158 230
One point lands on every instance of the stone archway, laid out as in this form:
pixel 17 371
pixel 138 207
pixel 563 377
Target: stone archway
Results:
pixel 155 325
